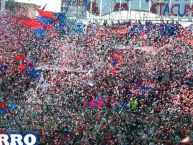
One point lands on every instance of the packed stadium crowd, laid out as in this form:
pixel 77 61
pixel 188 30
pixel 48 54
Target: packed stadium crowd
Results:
pixel 121 84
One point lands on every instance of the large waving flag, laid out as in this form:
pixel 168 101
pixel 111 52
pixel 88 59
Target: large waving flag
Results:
pixel 35 25
pixel 34 73
pixel 47 14
pixel 56 21
pixel 62 20
pixel 31 23
pixel 44 20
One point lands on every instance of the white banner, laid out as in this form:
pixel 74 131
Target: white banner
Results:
pixel 179 8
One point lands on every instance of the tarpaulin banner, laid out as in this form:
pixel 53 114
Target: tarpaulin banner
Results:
pixel 177 8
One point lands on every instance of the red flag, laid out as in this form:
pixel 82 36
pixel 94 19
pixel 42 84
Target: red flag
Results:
pixel 46 14
pixel 121 59
pixel 114 70
pixel 3 106
pixel 92 103
pixel 20 57
pixel 21 67
pixel 115 56
pixel 84 102
pixel 143 35
pixel 100 102
pixel 31 23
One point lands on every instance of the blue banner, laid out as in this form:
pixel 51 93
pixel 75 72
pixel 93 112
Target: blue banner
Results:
pixel 19 137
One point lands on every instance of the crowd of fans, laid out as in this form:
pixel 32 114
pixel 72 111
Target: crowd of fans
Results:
pixel 82 68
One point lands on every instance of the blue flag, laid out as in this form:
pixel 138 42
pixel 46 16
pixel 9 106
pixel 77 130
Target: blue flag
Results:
pixel 62 20
pixel 44 20
pixel 3 68
pixel 34 73
pixel 11 106
pixel 39 32
pixel 95 105
pixel 2 112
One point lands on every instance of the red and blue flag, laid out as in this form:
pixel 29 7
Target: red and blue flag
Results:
pixel 47 14
pixel 95 103
pixel 4 108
